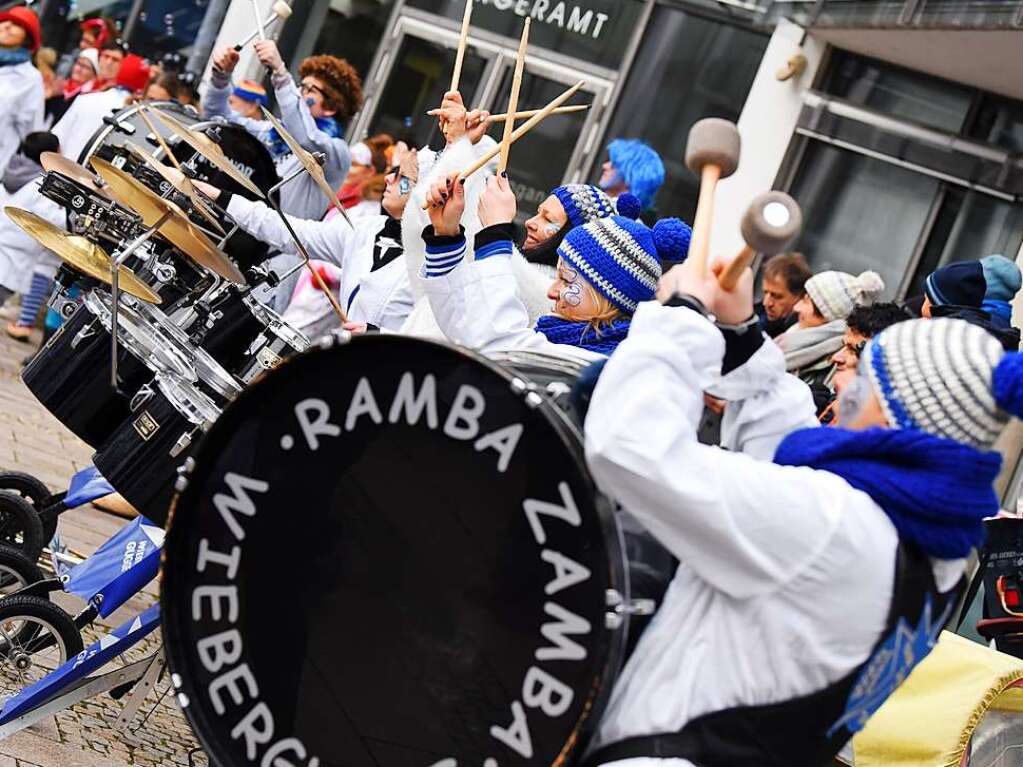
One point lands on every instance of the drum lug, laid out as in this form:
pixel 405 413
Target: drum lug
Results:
pixel 181 445
pixel 165 272
pixel 520 387
pixel 614 618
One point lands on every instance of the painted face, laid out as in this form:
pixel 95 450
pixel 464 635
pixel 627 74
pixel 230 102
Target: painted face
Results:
pixel 312 89
pixel 397 189
pixel 848 357
pixel 574 298
pixel 779 301
pixel 858 405
pixel 550 219
pixel 809 317
pixel 12 35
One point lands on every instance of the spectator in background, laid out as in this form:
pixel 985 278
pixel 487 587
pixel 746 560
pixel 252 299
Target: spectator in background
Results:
pixel 166 87
pixel 369 161
pixel 111 57
pixel 84 71
pixel 95 33
pixel 783 283
pixel 21 84
pixel 1004 281
pixel 633 166
pixel 958 290
pixel 247 98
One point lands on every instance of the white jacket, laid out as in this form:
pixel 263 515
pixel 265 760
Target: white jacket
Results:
pixel 20 255
pixel 21 107
pixel 85 117
pixel 787 572
pixel 382 298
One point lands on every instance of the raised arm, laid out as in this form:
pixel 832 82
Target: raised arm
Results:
pixel 218 88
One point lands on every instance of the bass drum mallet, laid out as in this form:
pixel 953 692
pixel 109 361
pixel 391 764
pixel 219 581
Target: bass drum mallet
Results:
pixel 280 10
pixel 712 153
pixel 770 225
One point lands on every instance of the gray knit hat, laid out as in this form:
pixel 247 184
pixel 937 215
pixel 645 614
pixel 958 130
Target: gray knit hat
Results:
pixel 836 294
pixel 945 377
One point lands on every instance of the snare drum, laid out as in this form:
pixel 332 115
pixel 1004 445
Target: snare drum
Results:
pixel 141 456
pixel 398 545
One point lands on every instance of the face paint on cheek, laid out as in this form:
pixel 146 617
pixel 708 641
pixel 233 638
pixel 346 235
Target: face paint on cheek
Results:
pixel 571 295
pixel 853 399
pixel 310 102
pixel 549 229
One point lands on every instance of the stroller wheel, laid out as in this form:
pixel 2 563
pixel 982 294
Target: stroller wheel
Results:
pixel 36 637
pixel 17 571
pixel 20 526
pixel 32 490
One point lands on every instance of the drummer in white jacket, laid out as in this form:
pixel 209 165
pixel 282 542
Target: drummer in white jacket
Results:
pixel 21 85
pixel 810 587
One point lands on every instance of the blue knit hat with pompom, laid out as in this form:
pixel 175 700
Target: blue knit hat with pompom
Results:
pixel 947 378
pixel 621 257
pixel 583 203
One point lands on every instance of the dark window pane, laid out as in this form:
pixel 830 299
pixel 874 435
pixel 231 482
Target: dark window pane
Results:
pixel 688 68
pixel 353 31
pixel 1000 122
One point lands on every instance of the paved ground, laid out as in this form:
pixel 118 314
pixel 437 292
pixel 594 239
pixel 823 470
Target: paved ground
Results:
pixel 31 440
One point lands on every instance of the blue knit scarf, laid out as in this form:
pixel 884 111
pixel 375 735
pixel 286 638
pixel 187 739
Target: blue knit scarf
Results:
pixel 279 147
pixel 582 334
pixel 10 56
pixel 936 491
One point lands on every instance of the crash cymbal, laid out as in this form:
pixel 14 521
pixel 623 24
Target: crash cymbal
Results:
pixel 179 181
pixel 177 229
pixel 312 167
pixel 79 253
pixel 207 148
pixel 58 163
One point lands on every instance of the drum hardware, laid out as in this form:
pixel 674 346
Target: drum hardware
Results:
pixel 141 398
pixel 121 127
pixel 57 163
pixel 615 618
pixel 176 180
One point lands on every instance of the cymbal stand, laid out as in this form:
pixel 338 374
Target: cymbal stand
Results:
pixel 119 257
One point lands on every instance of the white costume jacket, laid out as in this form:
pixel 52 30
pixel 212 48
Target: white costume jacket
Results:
pixel 21 107
pixel 84 117
pixel 20 255
pixel 787 572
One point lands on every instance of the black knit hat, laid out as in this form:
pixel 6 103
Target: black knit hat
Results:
pixel 959 284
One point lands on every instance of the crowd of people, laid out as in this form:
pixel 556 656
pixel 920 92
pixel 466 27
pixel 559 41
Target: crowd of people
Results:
pixel 857 466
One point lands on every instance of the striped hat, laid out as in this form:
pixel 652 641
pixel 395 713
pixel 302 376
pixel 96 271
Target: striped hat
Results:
pixel 836 294
pixel 250 90
pixel 584 203
pixel 947 378
pixel 621 258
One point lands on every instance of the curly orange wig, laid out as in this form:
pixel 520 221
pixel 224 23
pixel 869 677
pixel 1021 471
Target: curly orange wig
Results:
pixel 342 90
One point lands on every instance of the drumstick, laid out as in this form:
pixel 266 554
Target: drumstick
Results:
pixel 522 115
pixel 521 131
pixel 770 225
pixel 729 277
pixel 513 98
pixel 259 20
pixel 159 138
pixel 456 76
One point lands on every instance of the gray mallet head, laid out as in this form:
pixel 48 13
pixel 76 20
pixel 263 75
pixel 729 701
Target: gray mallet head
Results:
pixel 713 141
pixel 772 223
pixel 281 9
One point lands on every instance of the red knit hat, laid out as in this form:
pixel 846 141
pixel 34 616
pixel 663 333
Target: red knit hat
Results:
pixel 99 28
pixel 133 74
pixel 28 21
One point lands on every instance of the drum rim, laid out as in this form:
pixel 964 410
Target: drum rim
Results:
pixel 200 717
pixel 97 138
pixel 179 391
pixel 274 323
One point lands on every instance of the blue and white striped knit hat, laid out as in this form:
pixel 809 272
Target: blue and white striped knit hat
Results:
pixel 947 378
pixel 622 258
pixel 584 203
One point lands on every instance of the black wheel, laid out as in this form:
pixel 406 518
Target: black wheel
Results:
pixel 17 571
pixel 20 526
pixel 36 637
pixel 32 490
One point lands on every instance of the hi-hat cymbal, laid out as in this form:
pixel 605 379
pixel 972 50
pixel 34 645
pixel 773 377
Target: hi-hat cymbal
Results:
pixel 58 163
pixel 312 167
pixel 179 181
pixel 208 148
pixel 79 253
pixel 177 229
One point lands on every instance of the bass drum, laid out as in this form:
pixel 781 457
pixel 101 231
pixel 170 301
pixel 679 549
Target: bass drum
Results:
pixel 393 552
pixel 127 126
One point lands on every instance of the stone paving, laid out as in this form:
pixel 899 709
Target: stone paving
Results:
pixel 32 440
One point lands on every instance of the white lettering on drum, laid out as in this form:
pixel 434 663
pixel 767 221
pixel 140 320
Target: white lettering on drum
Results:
pixel 567 623
pixel 463 421
pixel 566 512
pixel 567 572
pixel 504 441
pixel 318 426
pixel 363 403
pixel 239 501
pixel 413 405
pixel 516 735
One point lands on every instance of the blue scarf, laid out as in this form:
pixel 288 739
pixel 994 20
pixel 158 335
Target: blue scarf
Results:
pixel 582 334
pixel 279 147
pixel 10 56
pixel 936 492
pixel 1000 311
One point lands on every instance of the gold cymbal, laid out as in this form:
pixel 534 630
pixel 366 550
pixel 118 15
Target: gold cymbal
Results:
pixel 313 168
pixel 58 163
pixel 177 229
pixel 79 253
pixel 179 181
pixel 207 148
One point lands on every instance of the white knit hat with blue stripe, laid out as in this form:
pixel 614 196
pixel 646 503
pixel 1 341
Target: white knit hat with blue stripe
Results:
pixel 622 258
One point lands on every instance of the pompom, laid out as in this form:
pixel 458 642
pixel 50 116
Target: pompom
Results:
pixel 671 238
pixel 629 206
pixel 1007 384
pixel 870 285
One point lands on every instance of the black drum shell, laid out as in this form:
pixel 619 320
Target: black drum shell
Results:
pixel 73 383
pixel 233 332
pixel 141 468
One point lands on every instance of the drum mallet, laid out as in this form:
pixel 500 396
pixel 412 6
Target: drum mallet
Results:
pixel 770 225
pixel 712 153
pixel 280 10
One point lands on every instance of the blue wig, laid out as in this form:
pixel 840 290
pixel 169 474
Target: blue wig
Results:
pixel 640 167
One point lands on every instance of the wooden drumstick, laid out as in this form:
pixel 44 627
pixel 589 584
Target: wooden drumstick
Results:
pixel 522 115
pixel 521 131
pixel 712 152
pixel 456 76
pixel 772 222
pixel 159 138
pixel 513 98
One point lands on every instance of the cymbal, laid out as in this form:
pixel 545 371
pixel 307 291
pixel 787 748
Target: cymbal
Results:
pixel 207 148
pixel 179 181
pixel 177 229
pixel 58 163
pixel 79 253
pixel 312 167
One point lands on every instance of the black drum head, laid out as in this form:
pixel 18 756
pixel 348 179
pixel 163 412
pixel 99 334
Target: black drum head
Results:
pixel 386 554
